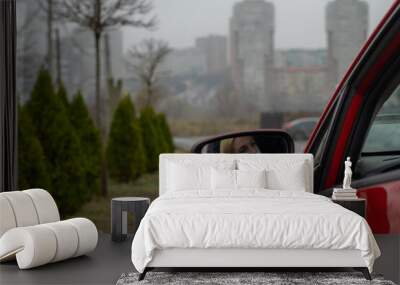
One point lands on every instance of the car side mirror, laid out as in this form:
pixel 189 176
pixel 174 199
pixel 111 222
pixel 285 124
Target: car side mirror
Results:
pixel 258 141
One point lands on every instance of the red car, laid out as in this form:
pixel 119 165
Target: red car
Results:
pixel 362 121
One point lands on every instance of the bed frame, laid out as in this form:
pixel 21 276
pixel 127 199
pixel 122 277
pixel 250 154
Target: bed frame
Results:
pixel 255 259
pixel 244 259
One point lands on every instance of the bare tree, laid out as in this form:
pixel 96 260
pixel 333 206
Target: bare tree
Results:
pixel 28 60
pixel 145 60
pixel 58 59
pixel 47 6
pixel 98 16
pixel 50 35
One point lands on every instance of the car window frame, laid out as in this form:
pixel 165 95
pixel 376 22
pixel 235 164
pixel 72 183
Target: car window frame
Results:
pixel 388 83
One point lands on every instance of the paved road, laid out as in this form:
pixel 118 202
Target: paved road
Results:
pixel 185 143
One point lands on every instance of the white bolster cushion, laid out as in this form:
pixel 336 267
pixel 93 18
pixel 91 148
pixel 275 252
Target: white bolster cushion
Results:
pixel 87 234
pixel 67 240
pixel 26 208
pixel 32 246
pixel 23 208
pixel 7 218
pixel 45 205
pixel 37 245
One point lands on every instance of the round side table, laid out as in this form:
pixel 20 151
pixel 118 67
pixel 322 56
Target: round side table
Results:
pixel 119 215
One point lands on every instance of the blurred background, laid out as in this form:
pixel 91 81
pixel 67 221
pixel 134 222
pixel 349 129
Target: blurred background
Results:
pixel 104 86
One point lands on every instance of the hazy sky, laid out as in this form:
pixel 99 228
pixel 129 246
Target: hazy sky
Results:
pixel 299 23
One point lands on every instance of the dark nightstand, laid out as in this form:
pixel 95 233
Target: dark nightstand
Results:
pixel 119 215
pixel 356 205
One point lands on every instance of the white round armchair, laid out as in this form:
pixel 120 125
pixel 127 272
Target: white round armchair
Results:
pixel 31 230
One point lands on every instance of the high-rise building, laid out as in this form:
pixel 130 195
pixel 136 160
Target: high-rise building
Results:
pixel 214 48
pixel 347 29
pixel 252 52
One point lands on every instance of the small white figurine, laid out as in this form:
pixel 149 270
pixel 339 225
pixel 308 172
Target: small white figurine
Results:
pixel 347 174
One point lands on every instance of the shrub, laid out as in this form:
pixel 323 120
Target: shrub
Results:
pixel 32 172
pixel 62 94
pixel 160 138
pixel 125 152
pixel 60 144
pixel 166 132
pixel 151 137
pixel 90 143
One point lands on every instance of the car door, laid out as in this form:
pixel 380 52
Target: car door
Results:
pixel 357 123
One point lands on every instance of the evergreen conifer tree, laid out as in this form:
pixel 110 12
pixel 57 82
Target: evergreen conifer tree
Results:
pixel 62 94
pixel 166 132
pixel 60 144
pixel 151 137
pixel 125 152
pixel 162 143
pixel 89 139
pixel 32 172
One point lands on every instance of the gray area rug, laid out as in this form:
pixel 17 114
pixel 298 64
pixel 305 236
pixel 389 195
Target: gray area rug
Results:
pixel 225 278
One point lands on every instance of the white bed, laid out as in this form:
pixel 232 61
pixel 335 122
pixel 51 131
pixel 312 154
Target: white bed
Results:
pixel 201 223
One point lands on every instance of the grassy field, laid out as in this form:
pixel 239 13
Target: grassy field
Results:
pixel 211 126
pixel 99 208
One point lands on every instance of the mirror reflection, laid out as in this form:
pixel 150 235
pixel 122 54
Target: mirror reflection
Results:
pixel 255 143
pixel 245 144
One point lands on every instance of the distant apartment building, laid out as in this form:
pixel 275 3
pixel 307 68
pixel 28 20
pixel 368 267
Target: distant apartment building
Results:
pixel 300 80
pixel 214 48
pixel 195 73
pixel 297 57
pixel 252 52
pixel 347 30
pixel 208 57
pixel 188 62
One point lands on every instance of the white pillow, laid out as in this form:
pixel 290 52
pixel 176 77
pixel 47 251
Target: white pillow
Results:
pixel 227 179
pixel 223 179
pixel 251 178
pixel 293 179
pixel 291 175
pixel 188 177
pixel 191 174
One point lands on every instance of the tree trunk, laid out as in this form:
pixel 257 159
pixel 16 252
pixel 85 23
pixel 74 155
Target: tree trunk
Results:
pixel 104 172
pixel 149 95
pixel 107 55
pixel 58 58
pixel 50 35
pixel 99 121
pixel 108 82
pixel 97 85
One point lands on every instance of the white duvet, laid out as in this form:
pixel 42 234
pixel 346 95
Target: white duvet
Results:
pixel 250 219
